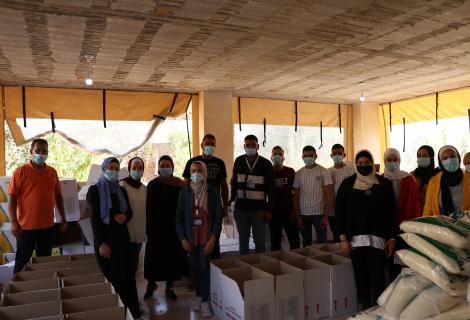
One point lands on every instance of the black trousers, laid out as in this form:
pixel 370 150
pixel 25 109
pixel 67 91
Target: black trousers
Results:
pixel 279 222
pixel 215 254
pixel 369 273
pixel 29 240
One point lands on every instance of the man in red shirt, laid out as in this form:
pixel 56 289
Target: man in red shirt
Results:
pixel 34 192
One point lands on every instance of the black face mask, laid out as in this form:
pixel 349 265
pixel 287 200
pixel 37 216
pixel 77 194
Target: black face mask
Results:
pixel 365 170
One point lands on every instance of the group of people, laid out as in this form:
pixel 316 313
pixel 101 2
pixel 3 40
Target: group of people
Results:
pixel 180 220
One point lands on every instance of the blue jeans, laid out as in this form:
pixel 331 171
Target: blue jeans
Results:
pixel 247 220
pixel 314 221
pixel 200 272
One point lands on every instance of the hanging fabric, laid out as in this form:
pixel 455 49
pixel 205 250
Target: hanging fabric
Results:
pixel 339 116
pixel 239 113
pixel 264 132
pixel 390 114
pixel 321 135
pixel 437 108
pixel 187 127
pixel 296 116
pixel 404 135
pixel 104 108
pixel 23 97
pixel 52 122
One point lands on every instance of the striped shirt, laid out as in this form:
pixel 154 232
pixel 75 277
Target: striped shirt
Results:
pixel 338 176
pixel 311 183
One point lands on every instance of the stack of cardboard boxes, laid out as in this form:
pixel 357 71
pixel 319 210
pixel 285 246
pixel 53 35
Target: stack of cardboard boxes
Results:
pixel 61 287
pixel 304 284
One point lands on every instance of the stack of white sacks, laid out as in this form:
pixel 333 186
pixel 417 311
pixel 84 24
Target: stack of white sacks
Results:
pixel 437 283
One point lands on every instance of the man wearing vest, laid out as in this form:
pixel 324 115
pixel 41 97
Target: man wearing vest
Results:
pixel 253 191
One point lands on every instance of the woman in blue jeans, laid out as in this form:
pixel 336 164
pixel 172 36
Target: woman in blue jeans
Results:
pixel 198 223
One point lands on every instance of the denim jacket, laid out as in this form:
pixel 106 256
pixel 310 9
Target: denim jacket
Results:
pixel 184 213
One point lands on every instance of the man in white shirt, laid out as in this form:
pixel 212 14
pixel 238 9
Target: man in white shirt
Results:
pixel 313 197
pixel 339 172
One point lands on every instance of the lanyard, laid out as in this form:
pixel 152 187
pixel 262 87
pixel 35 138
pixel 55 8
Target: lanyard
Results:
pixel 197 202
pixel 254 164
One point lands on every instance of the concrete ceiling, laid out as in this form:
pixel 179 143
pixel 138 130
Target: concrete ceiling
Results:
pixel 310 50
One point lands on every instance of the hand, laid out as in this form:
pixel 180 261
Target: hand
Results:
pixel 346 246
pixel 300 223
pixel 120 218
pixel 209 247
pixel 105 251
pixel 268 216
pixel 16 229
pixel 186 245
pixel 63 226
pixel 324 222
pixel 389 247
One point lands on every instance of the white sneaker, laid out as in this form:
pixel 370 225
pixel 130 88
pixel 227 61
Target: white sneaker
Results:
pixel 206 310
pixel 196 303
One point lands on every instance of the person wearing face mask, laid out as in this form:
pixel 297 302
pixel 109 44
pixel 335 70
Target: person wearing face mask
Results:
pixel 466 162
pixel 425 171
pixel 109 214
pixel 34 191
pixel 137 193
pixel 165 259
pixel 199 217
pixel 339 171
pixel 253 192
pixel 313 197
pixel 284 216
pixel 404 187
pixel 449 190
pixel 366 219
pixel 216 176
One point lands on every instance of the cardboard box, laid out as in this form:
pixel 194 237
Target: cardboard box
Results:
pixel 343 295
pixel 70 195
pixel 83 279
pixel 61 265
pixel 80 257
pixel 31 311
pixel 90 303
pixel 50 318
pixel 6 273
pixel 70 272
pixel 116 313
pixel 282 255
pixel 248 293
pixel 33 275
pixel 15 299
pixel 4 184
pixel 316 284
pixel 328 247
pixel 9 257
pixel 257 258
pixel 288 289
pixel 32 285
pixel 7 239
pixel 84 290
pixel 309 252
pixel 48 259
pixel 87 231
pixel 217 267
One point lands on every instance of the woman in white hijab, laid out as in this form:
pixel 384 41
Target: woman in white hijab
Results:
pixel 404 186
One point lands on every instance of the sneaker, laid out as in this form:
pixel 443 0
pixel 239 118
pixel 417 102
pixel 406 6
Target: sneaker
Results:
pixel 206 310
pixel 196 303
pixel 171 294
pixel 151 287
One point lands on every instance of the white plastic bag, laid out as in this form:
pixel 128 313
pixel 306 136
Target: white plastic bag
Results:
pixel 459 312
pixel 385 296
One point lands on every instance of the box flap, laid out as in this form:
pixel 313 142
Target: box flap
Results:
pixel 32 285
pixel 89 303
pixel 70 272
pixel 84 290
pixel 31 311
pixel 117 313
pixel 83 279
pixel 34 275
pixel 15 299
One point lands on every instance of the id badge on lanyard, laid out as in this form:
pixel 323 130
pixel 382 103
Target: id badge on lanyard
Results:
pixel 197 221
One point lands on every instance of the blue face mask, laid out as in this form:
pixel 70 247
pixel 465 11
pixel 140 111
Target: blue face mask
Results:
pixel 392 166
pixel 424 162
pixel 338 159
pixel 39 159
pixel 197 177
pixel 209 151
pixel 467 168
pixel 136 175
pixel 309 161
pixel 166 172
pixel 111 175
pixel 451 164
pixel 251 152
pixel 277 160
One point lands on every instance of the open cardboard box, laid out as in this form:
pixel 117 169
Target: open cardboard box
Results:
pixel 69 272
pixel 316 284
pixel 328 247
pixel 14 299
pixel 50 318
pixel 61 265
pixel 86 256
pixel 33 275
pixel 115 313
pixel 32 285
pixel 48 259
pixel 309 252
pixel 282 255
pixel 256 258
pixel 85 290
pixel 83 280
pixel 343 294
pixel 31 311
pixel 217 267
pixel 288 289
pixel 90 303
pixel 248 293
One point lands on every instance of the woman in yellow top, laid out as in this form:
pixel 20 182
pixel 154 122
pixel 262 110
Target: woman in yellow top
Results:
pixel 449 190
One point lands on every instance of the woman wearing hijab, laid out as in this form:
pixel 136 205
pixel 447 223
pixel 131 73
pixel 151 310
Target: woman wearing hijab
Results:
pixel 137 193
pixel 109 214
pixel 367 223
pixel 165 259
pixel 466 162
pixel 198 224
pixel 449 190
pixel 404 187
pixel 425 171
